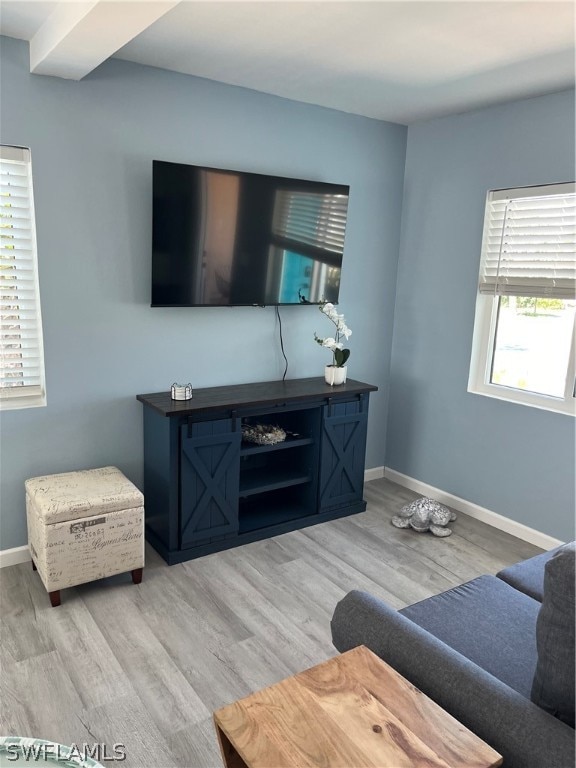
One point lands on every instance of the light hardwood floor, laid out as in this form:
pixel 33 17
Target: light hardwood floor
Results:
pixel 146 665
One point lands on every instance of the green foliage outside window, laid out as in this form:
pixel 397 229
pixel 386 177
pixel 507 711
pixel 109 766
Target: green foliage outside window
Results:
pixel 530 305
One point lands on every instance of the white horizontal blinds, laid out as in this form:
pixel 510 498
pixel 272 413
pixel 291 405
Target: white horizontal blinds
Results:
pixel 311 218
pixel 21 357
pixel 529 246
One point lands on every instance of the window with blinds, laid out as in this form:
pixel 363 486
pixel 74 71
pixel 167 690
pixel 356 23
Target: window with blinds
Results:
pixel 523 347
pixel 21 350
pixel 529 246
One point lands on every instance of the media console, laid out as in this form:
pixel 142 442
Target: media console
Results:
pixel 206 490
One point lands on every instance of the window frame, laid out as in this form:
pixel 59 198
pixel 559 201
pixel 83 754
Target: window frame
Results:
pixel 32 396
pixel 484 337
pixel 483 342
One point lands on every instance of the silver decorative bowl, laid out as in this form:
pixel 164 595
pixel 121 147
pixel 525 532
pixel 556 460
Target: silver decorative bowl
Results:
pixel 263 434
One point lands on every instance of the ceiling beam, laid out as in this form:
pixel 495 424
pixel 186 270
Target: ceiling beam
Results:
pixel 79 36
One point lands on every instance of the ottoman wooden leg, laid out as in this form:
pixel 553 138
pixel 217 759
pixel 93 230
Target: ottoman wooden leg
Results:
pixel 137 575
pixel 33 565
pixel 55 598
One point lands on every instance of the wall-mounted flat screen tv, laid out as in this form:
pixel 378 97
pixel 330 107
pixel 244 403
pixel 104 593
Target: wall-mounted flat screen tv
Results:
pixel 228 238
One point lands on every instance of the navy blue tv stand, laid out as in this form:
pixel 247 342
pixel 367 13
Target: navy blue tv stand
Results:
pixel 206 490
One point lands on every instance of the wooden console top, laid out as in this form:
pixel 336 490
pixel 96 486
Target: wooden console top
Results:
pixel 246 395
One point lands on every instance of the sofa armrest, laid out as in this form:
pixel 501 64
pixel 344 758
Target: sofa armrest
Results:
pixel 525 735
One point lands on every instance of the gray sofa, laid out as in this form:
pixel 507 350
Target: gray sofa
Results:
pixel 496 652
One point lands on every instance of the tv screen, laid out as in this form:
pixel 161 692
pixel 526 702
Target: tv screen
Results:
pixel 230 238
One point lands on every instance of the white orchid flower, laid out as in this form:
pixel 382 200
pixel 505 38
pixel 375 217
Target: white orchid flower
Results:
pixel 329 343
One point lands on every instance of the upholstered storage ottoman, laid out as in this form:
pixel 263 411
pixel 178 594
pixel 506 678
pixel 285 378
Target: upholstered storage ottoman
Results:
pixel 83 526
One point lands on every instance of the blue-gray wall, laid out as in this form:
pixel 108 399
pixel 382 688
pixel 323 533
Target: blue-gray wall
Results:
pixel 92 148
pixel 515 460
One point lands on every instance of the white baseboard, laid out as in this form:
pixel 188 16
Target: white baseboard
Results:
pixel 519 530
pixel 376 473
pixel 14 556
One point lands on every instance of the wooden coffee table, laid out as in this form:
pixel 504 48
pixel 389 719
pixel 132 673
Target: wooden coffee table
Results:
pixel 351 711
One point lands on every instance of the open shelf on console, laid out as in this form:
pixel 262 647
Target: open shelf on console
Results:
pixel 263 479
pixel 251 449
pixel 265 468
pixel 272 508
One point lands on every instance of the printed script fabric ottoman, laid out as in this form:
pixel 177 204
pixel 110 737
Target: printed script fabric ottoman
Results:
pixel 84 526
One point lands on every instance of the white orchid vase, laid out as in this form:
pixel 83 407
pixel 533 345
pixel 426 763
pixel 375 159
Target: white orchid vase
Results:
pixel 334 343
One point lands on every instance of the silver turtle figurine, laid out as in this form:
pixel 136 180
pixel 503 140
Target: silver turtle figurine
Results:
pixel 425 515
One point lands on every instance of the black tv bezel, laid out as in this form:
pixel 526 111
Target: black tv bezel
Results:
pixel 242 173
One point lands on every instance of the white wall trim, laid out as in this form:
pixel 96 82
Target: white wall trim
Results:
pixel 14 556
pixel 376 473
pixel 500 522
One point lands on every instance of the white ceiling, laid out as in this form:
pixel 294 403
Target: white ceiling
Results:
pixel 399 61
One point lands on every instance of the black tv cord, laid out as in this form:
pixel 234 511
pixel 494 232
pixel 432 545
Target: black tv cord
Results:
pixel 282 342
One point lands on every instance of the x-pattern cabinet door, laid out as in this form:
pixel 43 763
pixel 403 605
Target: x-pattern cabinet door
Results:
pixel 344 428
pixel 209 472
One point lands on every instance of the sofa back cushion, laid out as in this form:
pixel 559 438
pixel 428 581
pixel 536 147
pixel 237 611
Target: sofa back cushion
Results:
pixel 528 575
pixel 553 685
